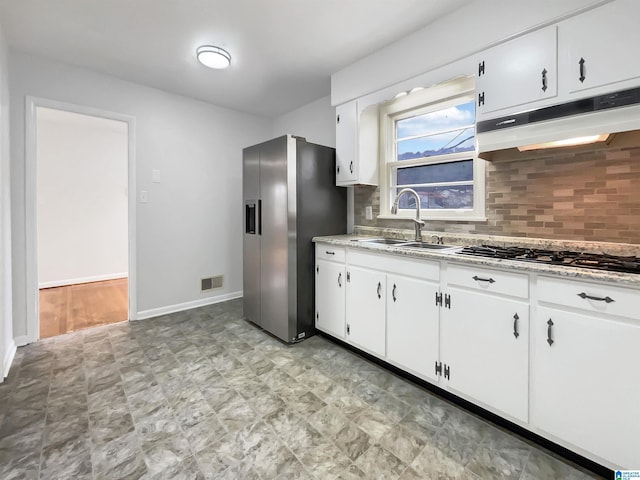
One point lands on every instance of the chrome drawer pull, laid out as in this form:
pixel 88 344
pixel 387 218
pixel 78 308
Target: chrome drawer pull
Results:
pixel 597 299
pixel 329 253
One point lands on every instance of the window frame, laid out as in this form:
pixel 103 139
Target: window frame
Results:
pixel 435 98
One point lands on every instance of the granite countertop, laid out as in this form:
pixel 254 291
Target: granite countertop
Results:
pixel 618 278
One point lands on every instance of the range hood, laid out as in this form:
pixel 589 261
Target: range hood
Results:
pixel 603 114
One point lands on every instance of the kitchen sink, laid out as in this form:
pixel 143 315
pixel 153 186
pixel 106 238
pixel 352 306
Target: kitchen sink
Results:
pixel 404 243
pixel 383 241
pixel 429 246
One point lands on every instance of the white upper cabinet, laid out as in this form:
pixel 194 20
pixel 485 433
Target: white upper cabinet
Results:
pixel 346 143
pixel 586 55
pixel 596 49
pixel 518 72
pixel 356 145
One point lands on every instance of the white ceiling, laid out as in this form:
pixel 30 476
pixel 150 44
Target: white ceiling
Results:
pixel 283 51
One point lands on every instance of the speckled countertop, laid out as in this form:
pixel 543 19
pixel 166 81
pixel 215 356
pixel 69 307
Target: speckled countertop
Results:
pixel 623 279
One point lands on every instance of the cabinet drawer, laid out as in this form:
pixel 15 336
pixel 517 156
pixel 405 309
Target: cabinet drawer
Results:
pixel 592 297
pixel 396 264
pixel 488 280
pixel 325 251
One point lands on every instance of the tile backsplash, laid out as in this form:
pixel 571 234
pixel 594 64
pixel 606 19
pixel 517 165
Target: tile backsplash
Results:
pixel 576 194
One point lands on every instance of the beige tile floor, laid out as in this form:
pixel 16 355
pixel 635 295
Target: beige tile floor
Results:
pixel 203 394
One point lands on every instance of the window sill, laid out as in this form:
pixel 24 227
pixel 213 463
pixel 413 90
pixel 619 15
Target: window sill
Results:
pixel 448 218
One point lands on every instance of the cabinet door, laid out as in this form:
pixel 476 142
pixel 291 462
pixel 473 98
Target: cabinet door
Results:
pixel 596 47
pixel 330 297
pixel 366 296
pixel 346 143
pixel 412 325
pixel 585 385
pixel 518 72
pixel 485 345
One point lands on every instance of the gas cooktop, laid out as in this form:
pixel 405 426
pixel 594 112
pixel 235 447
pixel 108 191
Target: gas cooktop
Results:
pixel 597 261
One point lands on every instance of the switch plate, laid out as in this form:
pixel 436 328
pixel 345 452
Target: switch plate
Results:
pixel 368 212
pixel 144 196
pixel 155 175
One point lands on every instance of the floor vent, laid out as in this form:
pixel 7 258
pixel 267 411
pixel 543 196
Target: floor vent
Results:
pixel 210 283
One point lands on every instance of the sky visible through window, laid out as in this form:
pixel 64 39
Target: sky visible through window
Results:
pixel 437 133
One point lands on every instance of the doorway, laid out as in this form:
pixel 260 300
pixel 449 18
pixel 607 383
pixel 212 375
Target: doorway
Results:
pixel 82 220
pixel 80 228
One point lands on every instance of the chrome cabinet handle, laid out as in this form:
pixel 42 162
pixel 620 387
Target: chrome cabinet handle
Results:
pixel 340 279
pixel 549 339
pixel 330 253
pixel 393 292
pixel 544 80
pixel 582 75
pixel 379 287
pixel 515 325
pixel 606 299
pixel 351 166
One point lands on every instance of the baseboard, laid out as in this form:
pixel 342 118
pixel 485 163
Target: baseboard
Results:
pixel 179 307
pixel 75 281
pixel 22 340
pixel 8 360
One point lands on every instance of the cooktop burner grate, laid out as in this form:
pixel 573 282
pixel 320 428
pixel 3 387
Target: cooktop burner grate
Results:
pixel 568 258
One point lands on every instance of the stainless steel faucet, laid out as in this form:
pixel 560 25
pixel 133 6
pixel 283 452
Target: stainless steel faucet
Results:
pixel 418 221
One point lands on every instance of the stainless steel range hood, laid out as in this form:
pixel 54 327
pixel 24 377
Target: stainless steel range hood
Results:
pixel 602 114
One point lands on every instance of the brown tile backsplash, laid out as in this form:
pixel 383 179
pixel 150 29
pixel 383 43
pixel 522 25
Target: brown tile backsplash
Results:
pixel 565 194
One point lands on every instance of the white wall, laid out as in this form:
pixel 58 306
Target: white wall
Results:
pixel 191 226
pixel 81 198
pixel 462 33
pixel 314 121
pixel 7 346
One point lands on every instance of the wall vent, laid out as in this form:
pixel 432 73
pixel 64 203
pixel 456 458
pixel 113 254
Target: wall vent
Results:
pixel 211 283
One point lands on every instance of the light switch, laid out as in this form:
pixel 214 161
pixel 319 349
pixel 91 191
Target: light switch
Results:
pixel 368 212
pixel 144 196
pixel 155 175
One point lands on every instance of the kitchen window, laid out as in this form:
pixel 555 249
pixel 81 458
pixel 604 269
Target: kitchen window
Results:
pixel 428 140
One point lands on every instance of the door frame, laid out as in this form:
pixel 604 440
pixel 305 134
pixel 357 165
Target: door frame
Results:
pixel 31 192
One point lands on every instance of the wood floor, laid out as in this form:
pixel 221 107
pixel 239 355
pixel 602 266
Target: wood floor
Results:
pixel 74 307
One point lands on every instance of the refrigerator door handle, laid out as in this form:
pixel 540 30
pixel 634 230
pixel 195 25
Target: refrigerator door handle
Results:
pixel 259 215
pixel 250 217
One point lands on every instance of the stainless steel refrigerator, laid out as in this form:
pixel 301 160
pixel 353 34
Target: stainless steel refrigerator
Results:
pixel 289 196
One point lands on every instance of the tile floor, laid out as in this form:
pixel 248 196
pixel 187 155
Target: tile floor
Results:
pixel 205 394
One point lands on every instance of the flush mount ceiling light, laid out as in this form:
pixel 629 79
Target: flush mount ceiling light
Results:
pixel 570 142
pixel 213 57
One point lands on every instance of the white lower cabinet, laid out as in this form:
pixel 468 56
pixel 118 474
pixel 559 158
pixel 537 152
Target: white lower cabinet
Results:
pixel 485 349
pixel 572 375
pixel 330 297
pixel 366 296
pixel 412 324
pixel 585 372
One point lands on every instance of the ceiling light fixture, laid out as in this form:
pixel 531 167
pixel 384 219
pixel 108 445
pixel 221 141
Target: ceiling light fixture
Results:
pixel 570 142
pixel 213 57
